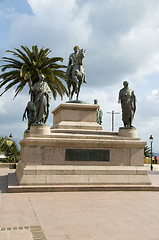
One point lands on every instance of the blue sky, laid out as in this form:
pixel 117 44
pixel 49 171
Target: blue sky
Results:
pixel 9 9
pixel 121 41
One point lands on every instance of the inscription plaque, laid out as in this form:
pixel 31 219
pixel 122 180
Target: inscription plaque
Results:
pixel 87 155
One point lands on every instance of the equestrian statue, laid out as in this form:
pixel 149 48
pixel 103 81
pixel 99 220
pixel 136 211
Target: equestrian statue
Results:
pixel 75 73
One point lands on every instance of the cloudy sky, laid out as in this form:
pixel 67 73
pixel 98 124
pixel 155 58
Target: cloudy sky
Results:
pixel 121 38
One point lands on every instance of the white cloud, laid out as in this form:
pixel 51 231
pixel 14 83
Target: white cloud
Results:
pixel 2 108
pixel 7 13
pixel 11 111
pixel 147 117
pixel 148 106
pixel 121 38
pixel 54 24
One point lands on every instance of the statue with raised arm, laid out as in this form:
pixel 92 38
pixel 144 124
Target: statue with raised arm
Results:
pixel 75 73
pixel 128 104
pixel 41 95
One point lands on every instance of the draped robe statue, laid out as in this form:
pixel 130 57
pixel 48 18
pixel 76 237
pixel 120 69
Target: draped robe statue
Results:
pixel 128 104
pixel 41 95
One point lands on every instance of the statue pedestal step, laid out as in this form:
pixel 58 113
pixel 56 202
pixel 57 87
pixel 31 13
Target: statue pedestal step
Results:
pixel 82 175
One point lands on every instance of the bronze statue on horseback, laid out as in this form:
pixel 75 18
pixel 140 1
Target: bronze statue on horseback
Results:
pixel 75 73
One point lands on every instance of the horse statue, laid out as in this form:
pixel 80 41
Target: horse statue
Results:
pixel 76 75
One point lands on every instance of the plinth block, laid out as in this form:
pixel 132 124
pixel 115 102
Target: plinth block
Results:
pixel 128 132
pixel 40 130
pixel 76 116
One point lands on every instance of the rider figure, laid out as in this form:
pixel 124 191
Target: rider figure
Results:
pixel 72 62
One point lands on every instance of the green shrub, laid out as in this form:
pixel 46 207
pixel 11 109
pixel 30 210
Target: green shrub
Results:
pixel 10 149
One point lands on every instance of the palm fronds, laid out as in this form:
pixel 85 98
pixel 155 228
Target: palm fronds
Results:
pixel 27 64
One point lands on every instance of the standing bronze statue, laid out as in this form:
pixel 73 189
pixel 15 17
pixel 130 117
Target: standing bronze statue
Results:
pixel 41 95
pixel 75 73
pixel 38 108
pixel 128 104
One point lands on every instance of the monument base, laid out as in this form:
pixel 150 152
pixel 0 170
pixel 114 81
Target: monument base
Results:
pixel 77 151
pixel 82 175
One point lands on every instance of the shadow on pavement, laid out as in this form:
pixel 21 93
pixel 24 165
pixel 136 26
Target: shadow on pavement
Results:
pixel 4 184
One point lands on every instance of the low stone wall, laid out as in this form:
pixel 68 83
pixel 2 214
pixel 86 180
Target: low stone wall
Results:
pixel 8 165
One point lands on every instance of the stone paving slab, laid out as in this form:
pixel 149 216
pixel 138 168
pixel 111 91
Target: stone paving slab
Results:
pixel 123 215
pixel 97 215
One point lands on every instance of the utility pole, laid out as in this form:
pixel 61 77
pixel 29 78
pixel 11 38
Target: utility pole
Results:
pixel 113 113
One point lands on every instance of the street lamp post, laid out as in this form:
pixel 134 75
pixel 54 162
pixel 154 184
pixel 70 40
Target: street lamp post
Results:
pixel 151 141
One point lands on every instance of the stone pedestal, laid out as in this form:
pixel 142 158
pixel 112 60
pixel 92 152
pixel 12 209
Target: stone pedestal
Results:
pixel 75 116
pixel 77 151
pixel 39 130
pixel 128 132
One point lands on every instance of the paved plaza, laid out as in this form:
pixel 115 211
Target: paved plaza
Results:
pixel 120 215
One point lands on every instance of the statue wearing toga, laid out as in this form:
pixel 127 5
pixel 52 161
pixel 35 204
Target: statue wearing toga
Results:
pixel 37 108
pixel 128 104
pixel 41 95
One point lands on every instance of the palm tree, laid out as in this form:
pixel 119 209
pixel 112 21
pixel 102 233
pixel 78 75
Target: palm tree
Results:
pixel 147 152
pixel 26 68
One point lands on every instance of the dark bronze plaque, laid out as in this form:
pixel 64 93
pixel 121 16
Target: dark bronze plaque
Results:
pixel 87 155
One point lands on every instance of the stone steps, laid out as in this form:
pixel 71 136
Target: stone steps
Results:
pixel 88 136
pixel 77 188
pixel 82 175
